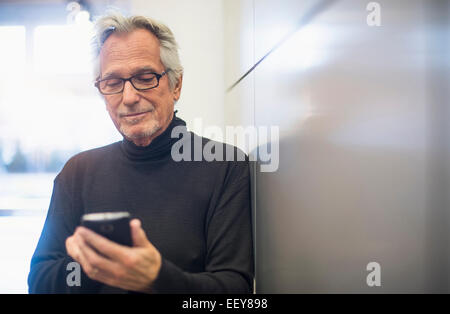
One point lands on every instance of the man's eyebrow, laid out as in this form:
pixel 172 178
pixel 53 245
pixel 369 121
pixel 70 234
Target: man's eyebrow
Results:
pixel 144 69
pixel 113 74
pixel 108 75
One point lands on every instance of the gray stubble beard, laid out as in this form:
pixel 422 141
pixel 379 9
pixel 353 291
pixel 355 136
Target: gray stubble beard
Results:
pixel 146 134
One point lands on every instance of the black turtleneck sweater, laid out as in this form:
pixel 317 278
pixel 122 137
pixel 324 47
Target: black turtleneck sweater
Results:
pixel 196 213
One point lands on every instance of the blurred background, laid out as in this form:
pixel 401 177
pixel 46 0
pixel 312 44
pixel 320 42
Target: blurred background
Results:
pixel 357 89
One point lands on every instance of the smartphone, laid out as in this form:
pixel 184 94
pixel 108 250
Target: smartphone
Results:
pixel 112 225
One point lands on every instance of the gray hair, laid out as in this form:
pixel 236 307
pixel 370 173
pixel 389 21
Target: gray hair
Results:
pixel 116 22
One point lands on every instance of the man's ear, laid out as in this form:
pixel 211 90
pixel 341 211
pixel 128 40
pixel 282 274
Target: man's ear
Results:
pixel 177 89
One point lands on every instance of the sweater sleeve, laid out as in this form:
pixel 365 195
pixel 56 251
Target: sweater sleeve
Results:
pixel 229 266
pixel 49 264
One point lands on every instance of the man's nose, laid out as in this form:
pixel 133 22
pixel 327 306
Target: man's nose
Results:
pixel 130 95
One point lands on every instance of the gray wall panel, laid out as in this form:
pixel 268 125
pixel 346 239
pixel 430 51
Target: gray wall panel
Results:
pixel 363 138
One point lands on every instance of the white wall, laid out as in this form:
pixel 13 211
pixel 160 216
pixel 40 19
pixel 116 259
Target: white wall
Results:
pixel 198 28
pixel 239 57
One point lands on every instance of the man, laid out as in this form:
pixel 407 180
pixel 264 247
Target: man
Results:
pixel 191 230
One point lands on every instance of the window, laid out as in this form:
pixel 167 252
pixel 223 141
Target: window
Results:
pixel 49 110
pixel 63 49
pixel 12 54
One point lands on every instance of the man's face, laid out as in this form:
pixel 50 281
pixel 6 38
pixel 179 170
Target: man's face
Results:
pixel 140 116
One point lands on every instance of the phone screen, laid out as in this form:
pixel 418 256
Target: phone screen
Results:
pixel 112 225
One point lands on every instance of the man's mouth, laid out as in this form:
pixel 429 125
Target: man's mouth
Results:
pixel 134 114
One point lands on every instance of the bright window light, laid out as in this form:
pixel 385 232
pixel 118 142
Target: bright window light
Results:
pixel 12 52
pixel 63 49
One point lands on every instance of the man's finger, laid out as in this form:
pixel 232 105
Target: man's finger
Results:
pixel 104 246
pixel 74 248
pixel 98 266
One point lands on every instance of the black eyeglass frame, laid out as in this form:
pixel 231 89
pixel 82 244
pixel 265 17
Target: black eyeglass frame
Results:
pixel 130 79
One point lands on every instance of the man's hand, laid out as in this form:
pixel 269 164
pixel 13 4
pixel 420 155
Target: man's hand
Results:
pixel 129 268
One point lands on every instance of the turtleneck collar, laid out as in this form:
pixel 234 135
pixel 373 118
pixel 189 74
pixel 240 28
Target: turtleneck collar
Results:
pixel 159 148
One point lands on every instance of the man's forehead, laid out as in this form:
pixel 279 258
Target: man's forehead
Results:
pixel 133 51
pixel 139 39
pixel 139 34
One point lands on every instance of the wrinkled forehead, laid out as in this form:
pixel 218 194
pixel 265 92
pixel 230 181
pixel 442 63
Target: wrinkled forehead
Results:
pixel 123 52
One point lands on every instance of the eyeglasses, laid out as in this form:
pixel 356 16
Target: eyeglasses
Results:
pixel 140 82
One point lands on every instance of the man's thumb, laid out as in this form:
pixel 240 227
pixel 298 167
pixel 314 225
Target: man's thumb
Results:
pixel 137 233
